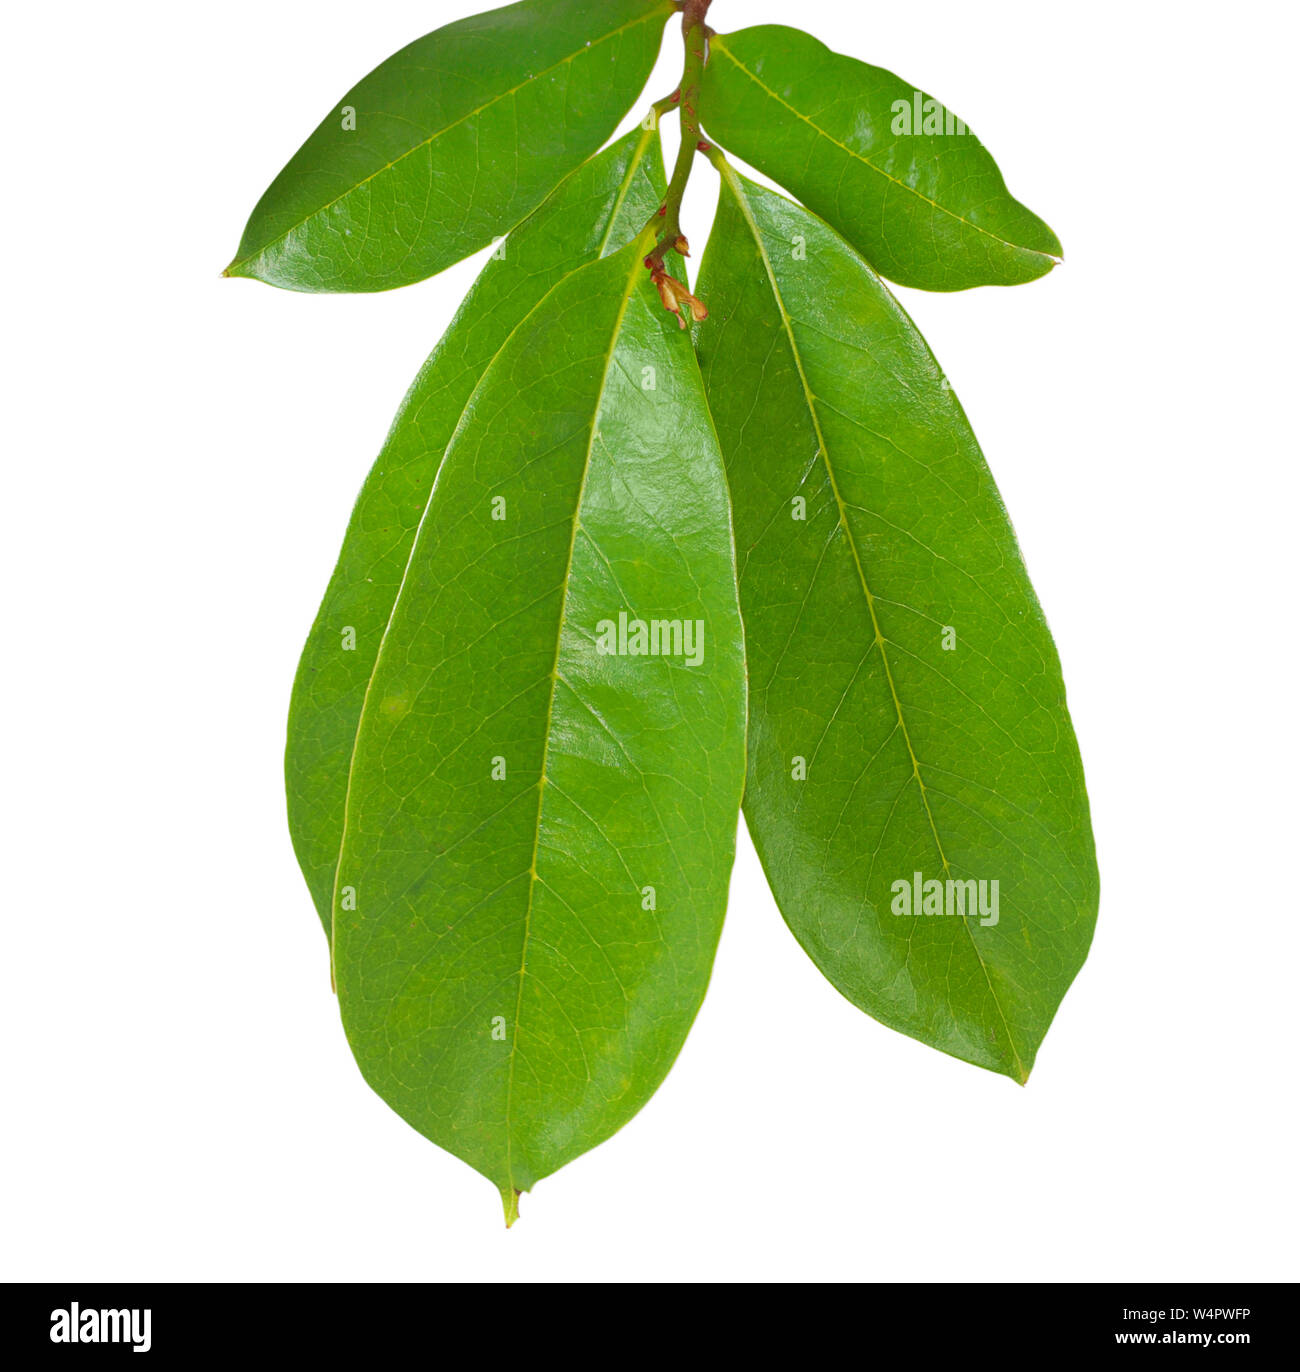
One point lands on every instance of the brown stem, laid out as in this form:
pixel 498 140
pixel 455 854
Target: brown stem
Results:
pixel 693 12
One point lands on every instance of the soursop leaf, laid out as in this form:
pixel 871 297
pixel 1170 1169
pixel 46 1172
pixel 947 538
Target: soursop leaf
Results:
pixel 915 792
pixel 541 820
pixel 904 180
pixel 450 143
pixel 595 210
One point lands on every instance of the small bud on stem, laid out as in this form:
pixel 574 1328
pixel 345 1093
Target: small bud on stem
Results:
pixel 675 295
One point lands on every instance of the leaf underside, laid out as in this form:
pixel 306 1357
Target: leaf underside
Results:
pixel 596 210
pixel 895 650
pixel 539 835
pixel 925 209
pixel 450 143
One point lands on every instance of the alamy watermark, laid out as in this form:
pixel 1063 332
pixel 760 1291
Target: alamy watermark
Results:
pixel 934 897
pixel 627 637
pixel 72 1324
pixel 922 114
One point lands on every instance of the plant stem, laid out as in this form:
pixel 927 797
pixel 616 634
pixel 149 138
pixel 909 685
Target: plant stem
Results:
pixel 695 37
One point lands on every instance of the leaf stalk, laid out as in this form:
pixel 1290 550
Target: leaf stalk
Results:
pixel 695 38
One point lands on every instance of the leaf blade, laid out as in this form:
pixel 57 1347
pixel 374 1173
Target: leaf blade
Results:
pixel 528 91
pixel 926 210
pixel 597 208
pixel 822 391
pixel 521 900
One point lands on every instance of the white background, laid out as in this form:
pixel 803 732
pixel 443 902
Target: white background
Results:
pixel 182 452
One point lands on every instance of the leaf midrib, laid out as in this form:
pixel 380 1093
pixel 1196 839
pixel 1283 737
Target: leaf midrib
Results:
pixel 870 165
pixel 533 879
pixel 441 133
pixel 810 399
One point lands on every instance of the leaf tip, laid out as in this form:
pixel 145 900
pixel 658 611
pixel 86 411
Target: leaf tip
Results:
pixel 510 1201
pixel 1018 1069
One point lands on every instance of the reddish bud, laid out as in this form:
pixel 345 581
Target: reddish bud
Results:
pixel 675 295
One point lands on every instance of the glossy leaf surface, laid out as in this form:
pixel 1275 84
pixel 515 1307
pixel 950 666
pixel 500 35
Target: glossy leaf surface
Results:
pixel 907 713
pixel 853 142
pixel 539 833
pixel 596 210
pixel 450 143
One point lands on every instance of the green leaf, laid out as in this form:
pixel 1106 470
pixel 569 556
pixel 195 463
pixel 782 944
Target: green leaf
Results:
pixel 596 210
pixel 519 799
pixel 450 143
pixel 925 209
pixel 907 713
